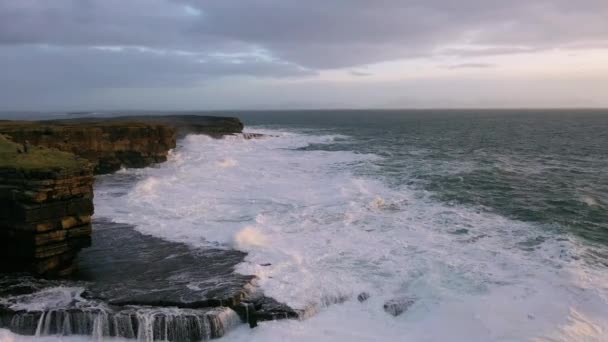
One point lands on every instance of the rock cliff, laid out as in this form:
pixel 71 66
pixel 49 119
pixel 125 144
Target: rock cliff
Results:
pixel 108 145
pixel 112 143
pixel 46 203
pixel 183 124
pixel 46 178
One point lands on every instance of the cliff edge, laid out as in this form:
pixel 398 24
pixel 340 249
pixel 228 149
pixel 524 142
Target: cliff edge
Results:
pixel 46 203
pixel 47 172
pixel 112 143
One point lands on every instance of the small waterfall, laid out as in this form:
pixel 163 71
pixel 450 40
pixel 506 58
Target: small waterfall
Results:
pixel 143 324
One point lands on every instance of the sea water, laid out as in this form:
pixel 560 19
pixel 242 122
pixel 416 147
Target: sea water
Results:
pixel 493 224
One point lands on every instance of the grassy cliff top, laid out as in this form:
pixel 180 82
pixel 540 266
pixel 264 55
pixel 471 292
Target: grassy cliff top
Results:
pixel 12 156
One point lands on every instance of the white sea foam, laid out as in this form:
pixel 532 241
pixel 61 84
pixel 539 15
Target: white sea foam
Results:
pixel 329 234
pixel 590 201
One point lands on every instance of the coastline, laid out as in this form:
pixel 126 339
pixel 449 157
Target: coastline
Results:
pixel 104 296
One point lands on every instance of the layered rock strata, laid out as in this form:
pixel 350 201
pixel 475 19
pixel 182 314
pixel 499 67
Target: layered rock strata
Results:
pixel 117 293
pixel 113 143
pixel 46 203
pixel 109 146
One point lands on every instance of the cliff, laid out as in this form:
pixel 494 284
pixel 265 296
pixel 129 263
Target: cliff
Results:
pixel 109 146
pixel 46 203
pixel 46 178
pixel 216 126
pixel 112 143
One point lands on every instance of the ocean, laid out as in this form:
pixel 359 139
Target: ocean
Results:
pixel 493 224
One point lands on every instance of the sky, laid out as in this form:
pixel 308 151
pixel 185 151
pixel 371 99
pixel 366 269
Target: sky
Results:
pixel 296 54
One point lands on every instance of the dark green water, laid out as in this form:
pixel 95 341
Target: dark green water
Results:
pixel 547 167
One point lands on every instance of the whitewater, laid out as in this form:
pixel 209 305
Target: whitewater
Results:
pixel 321 227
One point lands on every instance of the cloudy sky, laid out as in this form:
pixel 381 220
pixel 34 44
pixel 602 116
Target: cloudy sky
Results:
pixel 276 54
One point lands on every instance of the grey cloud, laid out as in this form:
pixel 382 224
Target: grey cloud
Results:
pixel 49 45
pixel 351 33
pixel 359 73
pixel 469 66
pixel 322 34
pixel 48 67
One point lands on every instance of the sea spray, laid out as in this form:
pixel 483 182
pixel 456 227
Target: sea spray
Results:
pixel 320 223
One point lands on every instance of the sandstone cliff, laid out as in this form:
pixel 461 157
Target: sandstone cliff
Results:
pixel 112 143
pixel 109 146
pixel 46 203
pixel 46 178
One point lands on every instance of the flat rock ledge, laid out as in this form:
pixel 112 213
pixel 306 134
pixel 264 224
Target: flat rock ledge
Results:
pixel 116 293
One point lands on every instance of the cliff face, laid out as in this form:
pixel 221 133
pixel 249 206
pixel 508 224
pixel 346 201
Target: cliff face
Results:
pixel 109 146
pixel 46 203
pixel 46 179
pixel 112 143
pixel 216 126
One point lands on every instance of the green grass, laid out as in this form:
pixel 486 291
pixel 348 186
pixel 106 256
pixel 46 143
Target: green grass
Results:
pixel 37 158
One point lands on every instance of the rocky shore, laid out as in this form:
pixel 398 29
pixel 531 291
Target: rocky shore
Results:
pixel 126 284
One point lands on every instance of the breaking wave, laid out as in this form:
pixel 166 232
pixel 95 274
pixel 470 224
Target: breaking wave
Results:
pixel 318 233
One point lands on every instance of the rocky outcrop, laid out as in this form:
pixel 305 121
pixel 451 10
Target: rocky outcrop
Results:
pixel 397 306
pixel 142 324
pixel 46 203
pixel 216 126
pixel 109 146
pixel 112 143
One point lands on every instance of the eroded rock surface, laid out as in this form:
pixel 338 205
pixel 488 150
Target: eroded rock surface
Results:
pixel 129 284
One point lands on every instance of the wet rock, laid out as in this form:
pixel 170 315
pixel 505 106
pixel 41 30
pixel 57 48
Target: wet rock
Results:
pixel 248 313
pixel 398 306
pixel 268 309
pixel 129 284
pixel 145 324
pixel 119 268
pixel 249 136
pixel 363 296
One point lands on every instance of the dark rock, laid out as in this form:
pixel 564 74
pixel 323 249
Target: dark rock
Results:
pixel 148 324
pixel 268 309
pixel 131 284
pixel 119 268
pixel 398 306
pixel 249 136
pixel 363 296
pixel 46 212
pixel 248 313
